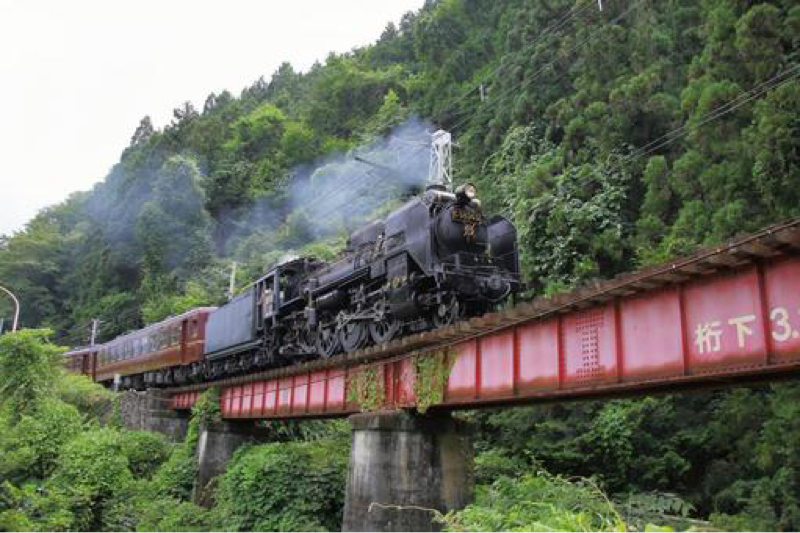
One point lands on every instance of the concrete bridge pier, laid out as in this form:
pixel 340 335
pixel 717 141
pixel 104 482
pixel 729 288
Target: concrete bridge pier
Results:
pixel 215 446
pixel 404 465
pixel 149 411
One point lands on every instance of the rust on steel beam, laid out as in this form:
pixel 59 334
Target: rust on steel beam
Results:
pixel 609 336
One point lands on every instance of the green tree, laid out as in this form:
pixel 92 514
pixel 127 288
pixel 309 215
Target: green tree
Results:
pixel 29 366
pixel 288 487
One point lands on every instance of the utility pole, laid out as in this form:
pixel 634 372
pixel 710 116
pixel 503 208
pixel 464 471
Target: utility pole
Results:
pixel 16 302
pixel 2 323
pixel 232 283
pixel 95 322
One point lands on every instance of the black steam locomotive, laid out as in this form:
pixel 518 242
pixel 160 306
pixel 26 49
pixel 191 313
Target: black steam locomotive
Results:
pixel 431 262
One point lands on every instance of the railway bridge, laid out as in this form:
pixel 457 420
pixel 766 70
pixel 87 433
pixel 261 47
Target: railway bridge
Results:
pixel 722 316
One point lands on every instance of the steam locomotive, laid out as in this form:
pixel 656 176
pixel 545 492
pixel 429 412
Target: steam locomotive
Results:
pixel 433 261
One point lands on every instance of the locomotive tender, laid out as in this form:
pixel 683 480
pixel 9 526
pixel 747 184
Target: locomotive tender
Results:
pixel 431 262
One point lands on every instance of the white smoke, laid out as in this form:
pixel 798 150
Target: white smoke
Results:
pixel 340 192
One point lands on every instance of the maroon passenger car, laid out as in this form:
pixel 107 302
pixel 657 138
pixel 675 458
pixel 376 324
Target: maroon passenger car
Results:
pixel 81 360
pixel 139 358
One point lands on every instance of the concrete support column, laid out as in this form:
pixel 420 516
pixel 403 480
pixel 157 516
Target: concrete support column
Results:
pixel 215 446
pixel 149 411
pixel 402 464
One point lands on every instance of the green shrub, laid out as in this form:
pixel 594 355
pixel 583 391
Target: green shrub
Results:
pixel 174 515
pixel 537 502
pixel 90 398
pixel 30 448
pixel 92 470
pixel 29 367
pixel 284 487
pixel 145 452
pixel 138 508
pixel 493 463
pixel 32 508
pixel 175 478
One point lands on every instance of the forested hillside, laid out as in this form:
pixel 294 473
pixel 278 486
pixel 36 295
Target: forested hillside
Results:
pixel 612 138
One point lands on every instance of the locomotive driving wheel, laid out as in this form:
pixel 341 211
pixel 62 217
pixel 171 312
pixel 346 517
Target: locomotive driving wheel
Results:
pixel 353 335
pixel 448 312
pixel 383 330
pixel 327 341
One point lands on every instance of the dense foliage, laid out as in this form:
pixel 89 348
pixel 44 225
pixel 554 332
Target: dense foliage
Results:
pixel 64 468
pixel 297 486
pixel 729 455
pixel 612 138
pixel 538 502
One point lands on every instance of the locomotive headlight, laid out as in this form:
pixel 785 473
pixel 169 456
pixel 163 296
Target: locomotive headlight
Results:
pixel 466 193
pixel 470 191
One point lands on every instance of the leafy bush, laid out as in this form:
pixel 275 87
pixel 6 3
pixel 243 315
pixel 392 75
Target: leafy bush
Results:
pixel 641 510
pixel 139 508
pixel 494 463
pixel 175 478
pixel 32 508
pixel 174 515
pixel 29 366
pixel 92 469
pixel 284 487
pixel 30 448
pixel 95 475
pixel 145 452
pixel 89 397
pixel 537 502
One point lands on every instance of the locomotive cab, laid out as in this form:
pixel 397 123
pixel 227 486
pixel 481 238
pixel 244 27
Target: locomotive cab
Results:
pixel 282 289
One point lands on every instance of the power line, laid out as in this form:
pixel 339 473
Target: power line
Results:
pixel 538 72
pixel 344 190
pixel 717 112
pixel 757 91
pixel 574 12
pixel 571 14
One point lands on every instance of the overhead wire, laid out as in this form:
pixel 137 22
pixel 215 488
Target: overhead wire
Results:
pixel 787 75
pixel 343 191
pixel 717 112
pixel 350 189
pixel 571 14
pixel 538 72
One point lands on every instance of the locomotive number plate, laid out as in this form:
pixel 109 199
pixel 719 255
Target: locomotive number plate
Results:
pixel 465 216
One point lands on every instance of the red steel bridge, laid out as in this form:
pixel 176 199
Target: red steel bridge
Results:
pixel 723 315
